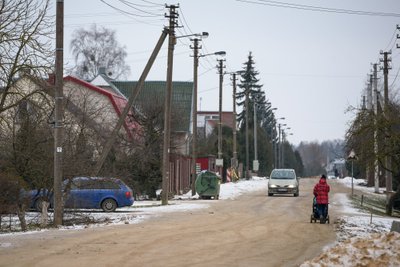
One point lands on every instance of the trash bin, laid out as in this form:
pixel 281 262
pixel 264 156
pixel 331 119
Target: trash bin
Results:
pixel 207 185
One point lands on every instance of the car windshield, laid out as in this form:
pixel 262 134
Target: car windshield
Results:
pixel 283 174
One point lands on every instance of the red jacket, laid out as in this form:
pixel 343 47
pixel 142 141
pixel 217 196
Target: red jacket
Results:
pixel 321 190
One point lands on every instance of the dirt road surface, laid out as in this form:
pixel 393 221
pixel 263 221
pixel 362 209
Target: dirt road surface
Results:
pixel 252 230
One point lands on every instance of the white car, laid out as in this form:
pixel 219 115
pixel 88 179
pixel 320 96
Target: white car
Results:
pixel 283 181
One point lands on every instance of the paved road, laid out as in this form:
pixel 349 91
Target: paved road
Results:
pixel 252 230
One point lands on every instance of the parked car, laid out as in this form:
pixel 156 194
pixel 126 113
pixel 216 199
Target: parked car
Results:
pixel 88 193
pixel 283 181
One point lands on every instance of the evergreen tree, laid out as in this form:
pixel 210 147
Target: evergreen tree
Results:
pixel 249 85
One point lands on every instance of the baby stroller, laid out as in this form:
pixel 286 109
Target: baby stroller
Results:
pixel 315 215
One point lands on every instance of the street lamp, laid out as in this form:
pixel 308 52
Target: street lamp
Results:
pixel 196 57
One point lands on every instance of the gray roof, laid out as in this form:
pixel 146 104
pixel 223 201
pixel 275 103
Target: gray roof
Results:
pixel 181 102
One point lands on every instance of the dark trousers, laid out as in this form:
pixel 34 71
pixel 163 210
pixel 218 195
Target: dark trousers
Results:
pixel 322 210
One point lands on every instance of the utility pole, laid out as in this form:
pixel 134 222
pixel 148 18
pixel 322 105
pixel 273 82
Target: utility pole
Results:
pixel 388 159
pixel 246 104
pixel 369 93
pixel 283 149
pixel 59 115
pixel 279 145
pixel 255 162
pixel 194 117
pixel 134 94
pixel 234 161
pixel 375 102
pixel 221 79
pixel 173 16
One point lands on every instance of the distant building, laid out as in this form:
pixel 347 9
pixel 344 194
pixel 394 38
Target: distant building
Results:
pixel 337 168
pixel 208 120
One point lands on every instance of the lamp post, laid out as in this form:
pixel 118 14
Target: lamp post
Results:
pixel 196 57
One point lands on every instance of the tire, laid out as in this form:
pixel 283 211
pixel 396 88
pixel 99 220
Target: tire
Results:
pixel 296 194
pixel 109 205
pixel 270 194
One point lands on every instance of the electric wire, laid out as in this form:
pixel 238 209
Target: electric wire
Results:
pixel 128 14
pixel 152 3
pixel 390 45
pixel 131 5
pixel 320 9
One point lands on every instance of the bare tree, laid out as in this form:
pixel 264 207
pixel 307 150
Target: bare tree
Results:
pixel 96 48
pixel 26 32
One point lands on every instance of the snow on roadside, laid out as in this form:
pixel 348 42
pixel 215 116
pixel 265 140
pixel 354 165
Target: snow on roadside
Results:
pixel 362 240
pixel 141 210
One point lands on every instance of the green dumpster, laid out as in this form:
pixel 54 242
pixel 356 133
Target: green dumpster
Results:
pixel 207 185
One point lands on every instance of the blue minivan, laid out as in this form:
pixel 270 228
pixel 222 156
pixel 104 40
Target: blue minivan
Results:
pixel 89 193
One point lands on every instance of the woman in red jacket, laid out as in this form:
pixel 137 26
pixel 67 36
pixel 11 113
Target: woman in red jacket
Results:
pixel 321 191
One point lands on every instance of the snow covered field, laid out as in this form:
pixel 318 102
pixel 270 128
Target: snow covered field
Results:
pixel 360 241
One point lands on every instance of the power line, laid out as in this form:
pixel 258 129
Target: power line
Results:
pixel 391 40
pixel 129 13
pixel 131 5
pixel 152 3
pixel 320 9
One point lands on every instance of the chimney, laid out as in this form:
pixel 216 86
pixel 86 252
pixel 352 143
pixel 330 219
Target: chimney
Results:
pixel 102 70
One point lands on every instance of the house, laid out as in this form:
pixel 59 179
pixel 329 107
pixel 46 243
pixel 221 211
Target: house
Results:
pixel 208 120
pixel 153 94
pixel 104 106
pixel 85 106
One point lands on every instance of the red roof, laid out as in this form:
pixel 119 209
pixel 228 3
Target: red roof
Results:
pixel 117 101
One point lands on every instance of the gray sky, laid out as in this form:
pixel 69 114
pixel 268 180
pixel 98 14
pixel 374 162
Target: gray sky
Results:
pixel 313 65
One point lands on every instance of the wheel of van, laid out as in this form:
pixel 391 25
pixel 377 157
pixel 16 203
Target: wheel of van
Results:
pixel 296 194
pixel 109 205
pixel 270 194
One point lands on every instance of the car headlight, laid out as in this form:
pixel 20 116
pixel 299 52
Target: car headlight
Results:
pixel 291 186
pixel 272 186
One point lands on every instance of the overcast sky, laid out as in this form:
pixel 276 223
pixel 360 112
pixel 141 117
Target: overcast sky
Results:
pixel 313 65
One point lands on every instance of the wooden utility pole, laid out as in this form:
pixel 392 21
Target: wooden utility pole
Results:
pixel 255 161
pixel 246 106
pixel 58 115
pixel 134 93
pixel 375 103
pixel 221 80
pixel 173 16
pixel 234 160
pixel 388 160
pixel 194 115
